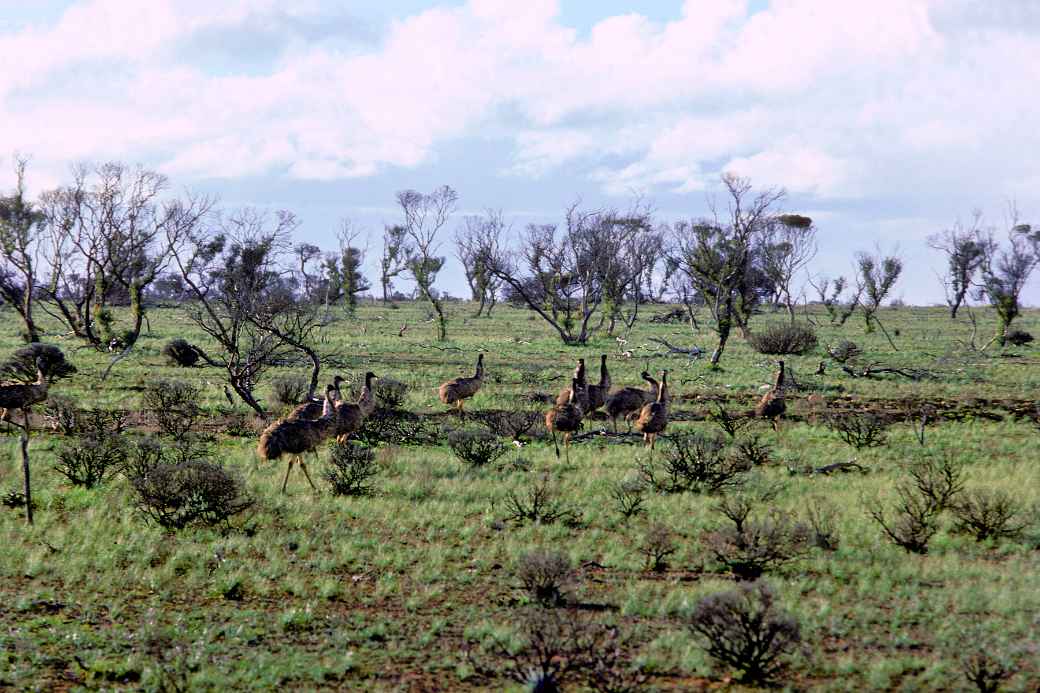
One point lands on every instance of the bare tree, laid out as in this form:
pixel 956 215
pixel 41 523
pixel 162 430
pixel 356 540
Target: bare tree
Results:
pixel 21 236
pixel 112 234
pixel 241 298
pixel 831 294
pixel 477 241
pixel 876 274
pixel 718 256
pixel 1006 269
pixel 561 275
pixel 425 215
pixel 965 250
pixel 394 259
pixel 787 245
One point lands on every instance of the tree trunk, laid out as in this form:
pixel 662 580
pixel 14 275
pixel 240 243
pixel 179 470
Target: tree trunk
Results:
pixel 716 356
pixel 247 396
pixel 25 467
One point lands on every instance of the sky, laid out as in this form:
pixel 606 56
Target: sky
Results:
pixel 885 121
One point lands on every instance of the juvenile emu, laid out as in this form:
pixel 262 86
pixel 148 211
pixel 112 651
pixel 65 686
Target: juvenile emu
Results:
pixel 298 436
pixel 653 418
pixel 565 418
pixel 772 405
pixel 629 401
pixel 459 390
pixel 313 408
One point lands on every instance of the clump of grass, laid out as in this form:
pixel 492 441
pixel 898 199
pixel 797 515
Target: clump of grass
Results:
pixel 821 518
pixel 858 429
pixel 746 630
pixel 784 339
pixel 350 469
pixel 476 448
pixel 657 547
pixel 546 576
pixel 694 463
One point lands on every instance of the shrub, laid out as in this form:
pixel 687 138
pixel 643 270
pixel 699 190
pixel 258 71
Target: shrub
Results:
pixel 547 576
pixel 914 523
pixel 938 482
pixel 88 461
pixel 730 424
pixel 174 404
pixel 784 339
pixel 658 544
pixel 541 504
pixel 389 393
pixel 628 497
pixel 858 429
pixel 510 423
pixel 398 427
pixel 176 495
pixel 476 448
pixel 745 629
pixel 693 462
pixel 844 351
pixel 986 670
pixel 21 366
pixel 987 514
pixel 179 352
pixel 350 469
pixel 1018 338
pixel 754 451
pixel 821 519
pixel 751 546
pixel 289 390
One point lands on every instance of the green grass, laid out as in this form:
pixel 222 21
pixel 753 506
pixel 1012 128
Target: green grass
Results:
pixel 380 592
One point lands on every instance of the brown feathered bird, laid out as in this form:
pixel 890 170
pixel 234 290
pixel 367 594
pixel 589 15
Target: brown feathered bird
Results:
pixel 598 393
pixel 629 401
pixel 581 394
pixel 772 405
pixel 653 417
pixel 298 436
pixel 23 395
pixel 313 408
pixel 459 390
pixel 350 415
pixel 565 418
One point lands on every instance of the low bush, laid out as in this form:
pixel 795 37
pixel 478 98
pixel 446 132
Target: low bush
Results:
pixel 754 450
pixel 939 482
pixel 844 351
pixel 174 404
pixel 65 417
pixel 90 460
pixel 914 523
pixel 987 670
pixel 398 427
pixel 784 339
pixel 509 423
pixel 546 576
pixel 745 629
pixel 628 495
pixel 389 393
pixel 1018 338
pixel 540 504
pixel 753 546
pixel 179 352
pixel 176 495
pixel 287 391
pixel 657 546
pixel 821 518
pixel 731 424
pixel 350 469
pixel 858 429
pixel 695 463
pixel 21 366
pixel 475 447
pixel 989 514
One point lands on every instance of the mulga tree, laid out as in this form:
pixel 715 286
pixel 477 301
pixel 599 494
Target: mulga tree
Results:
pixel 21 238
pixel 476 243
pixel 787 245
pixel 965 251
pixel 1006 269
pixel 112 232
pixel 876 275
pixel 394 259
pixel 425 214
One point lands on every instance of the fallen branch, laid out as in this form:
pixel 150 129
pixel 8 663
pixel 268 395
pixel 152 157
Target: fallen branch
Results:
pixel 691 352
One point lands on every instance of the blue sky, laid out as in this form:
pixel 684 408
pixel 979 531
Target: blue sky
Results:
pixel 885 121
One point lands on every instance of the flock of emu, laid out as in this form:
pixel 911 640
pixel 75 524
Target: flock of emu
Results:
pixel 311 423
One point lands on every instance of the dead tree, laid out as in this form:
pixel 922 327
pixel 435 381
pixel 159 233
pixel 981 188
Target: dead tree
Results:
pixel 21 240
pixel 477 241
pixel 425 215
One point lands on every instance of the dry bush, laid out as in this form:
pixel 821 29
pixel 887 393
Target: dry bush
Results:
pixel 914 523
pixel 858 429
pixel 389 393
pixel 64 417
pixel 986 670
pixel 844 351
pixel 88 461
pixel 745 629
pixel 476 448
pixel 179 494
pixel 541 504
pixel 754 450
pixel 695 463
pixel 174 404
pixel 784 339
pixel 398 427
pixel 547 576
pixel 350 469
pixel 939 482
pixel 628 495
pixel 731 424
pixel 754 546
pixel 289 390
pixel 179 352
pixel 657 546
pixel 509 423
pixel 989 514
pixel 821 518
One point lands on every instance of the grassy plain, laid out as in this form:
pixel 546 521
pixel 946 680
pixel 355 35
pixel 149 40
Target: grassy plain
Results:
pixel 381 592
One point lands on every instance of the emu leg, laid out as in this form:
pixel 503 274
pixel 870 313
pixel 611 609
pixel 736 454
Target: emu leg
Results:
pixel 25 468
pixel 567 446
pixel 556 444
pixel 288 469
pixel 307 474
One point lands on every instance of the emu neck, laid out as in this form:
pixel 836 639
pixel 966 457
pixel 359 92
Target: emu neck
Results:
pixel 779 383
